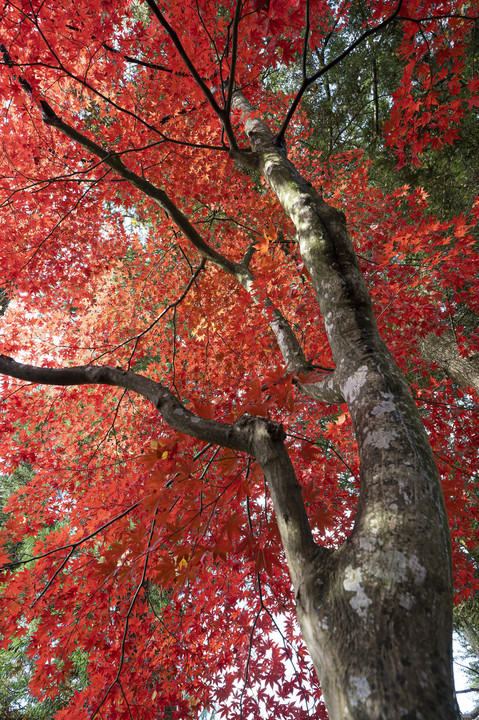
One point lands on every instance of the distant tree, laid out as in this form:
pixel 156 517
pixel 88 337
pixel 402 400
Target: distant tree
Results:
pixel 17 663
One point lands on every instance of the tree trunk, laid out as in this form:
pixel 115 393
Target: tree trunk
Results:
pixel 376 613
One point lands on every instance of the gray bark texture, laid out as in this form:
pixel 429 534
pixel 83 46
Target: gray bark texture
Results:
pixel 444 352
pixel 376 613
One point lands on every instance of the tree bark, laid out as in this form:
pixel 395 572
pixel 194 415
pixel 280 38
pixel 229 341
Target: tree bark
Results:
pixel 443 351
pixel 376 613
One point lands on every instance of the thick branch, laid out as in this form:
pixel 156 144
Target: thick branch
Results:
pixel 167 404
pixel 261 438
pixel 289 345
pixel 287 341
pixel 291 350
pixel 146 187
pixel 302 553
pixel 443 351
pixel 326 390
pixel 381 408
pixel 325 246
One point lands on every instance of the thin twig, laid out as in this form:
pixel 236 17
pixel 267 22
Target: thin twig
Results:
pixel 72 545
pixel 127 618
pixel 305 42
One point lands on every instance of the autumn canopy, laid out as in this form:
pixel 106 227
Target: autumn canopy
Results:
pixel 192 258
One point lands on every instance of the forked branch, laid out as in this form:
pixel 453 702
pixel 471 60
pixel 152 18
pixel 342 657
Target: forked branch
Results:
pixel 258 437
pixel 220 112
pixel 307 81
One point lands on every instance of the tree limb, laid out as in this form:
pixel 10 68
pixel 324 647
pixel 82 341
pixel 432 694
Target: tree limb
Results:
pixel 259 437
pixel 170 408
pixel 111 159
pixel 302 553
pixel 143 63
pixel 288 343
pixel 234 57
pixel 443 351
pixel 326 390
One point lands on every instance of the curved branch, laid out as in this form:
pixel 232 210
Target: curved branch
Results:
pixel 112 159
pixel 326 390
pixel 170 408
pixel 267 443
pixel 288 343
pixel 444 352
pixel 259 437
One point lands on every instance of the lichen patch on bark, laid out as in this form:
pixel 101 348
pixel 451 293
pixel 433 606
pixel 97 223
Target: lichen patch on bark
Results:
pixel 352 583
pixel 360 689
pixel 387 406
pixel 353 385
pixel 380 439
